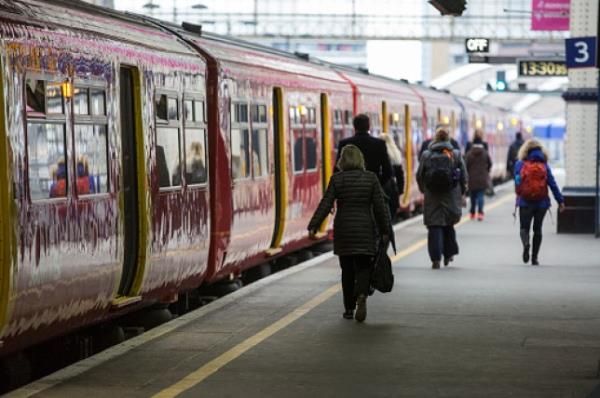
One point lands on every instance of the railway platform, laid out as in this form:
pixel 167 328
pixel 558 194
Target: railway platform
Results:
pixel 487 325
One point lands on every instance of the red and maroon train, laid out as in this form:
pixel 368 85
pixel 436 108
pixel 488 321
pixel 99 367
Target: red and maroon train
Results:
pixel 140 159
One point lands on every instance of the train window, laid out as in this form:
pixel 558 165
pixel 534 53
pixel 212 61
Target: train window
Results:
pixel 195 156
pixel 259 113
pixel 98 101
pixel 337 116
pixel 240 114
pixel 168 157
pixel 54 98
pixel 310 139
pixel 80 101
pixel 188 110
pixel 172 109
pixel 259 152
pixel 240 153
pixel 348 117
pixel 294 115
pixel 199 114
pixel 161 107
pixel 312 116
pixel 46 160
pixel 298 150
pixel 91 145
pixel 36 96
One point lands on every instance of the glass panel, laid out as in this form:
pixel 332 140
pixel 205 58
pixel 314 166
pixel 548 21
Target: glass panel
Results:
pixel 173 111
pixel 47 165
pixel 80 101
pixel 168 160
pixel 293 119
pixel 199 111
pixel 259 152
pixel 262 113
pixel 298 151
pixel 311 150
pixel 92 159
pixel 188 112
pixel 312 115
pixel 195 156
pixel 54 99
pixel 242 113
pixel 348 117
pixel 240 153
pixel 97 97
pixel 254 113
pixel 161 108
pixel 36 96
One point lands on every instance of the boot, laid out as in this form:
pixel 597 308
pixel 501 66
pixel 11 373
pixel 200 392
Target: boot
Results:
pixel 361 308
pixel 537 243
pixel 525 241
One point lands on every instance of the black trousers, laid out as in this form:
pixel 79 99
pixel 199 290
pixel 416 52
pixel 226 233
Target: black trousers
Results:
pixel 356 277
pixel 441 240
pixel 526 216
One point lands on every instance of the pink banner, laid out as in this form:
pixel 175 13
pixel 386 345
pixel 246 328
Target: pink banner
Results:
pixel 550 14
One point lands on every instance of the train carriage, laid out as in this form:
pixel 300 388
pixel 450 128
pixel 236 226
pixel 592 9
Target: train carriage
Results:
pixel 273 138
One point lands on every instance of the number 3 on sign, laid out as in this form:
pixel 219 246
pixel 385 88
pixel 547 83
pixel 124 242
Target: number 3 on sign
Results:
pixel 583 51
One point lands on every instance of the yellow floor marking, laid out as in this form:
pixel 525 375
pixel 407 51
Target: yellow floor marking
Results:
pixel 213 366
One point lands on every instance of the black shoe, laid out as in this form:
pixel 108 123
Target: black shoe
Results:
pixel 348 314
pixel 361 308
pixel 535 261
pixel 435 265
pixel 448 260
pixel 526 254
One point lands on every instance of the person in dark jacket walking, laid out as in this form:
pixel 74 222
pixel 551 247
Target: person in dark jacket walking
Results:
pixel 442 210
pixel 477 137
pixel 533 176
pixel 513 152
pixel 373 149
pixel 362 215
pixel 478 164
pixel 425 145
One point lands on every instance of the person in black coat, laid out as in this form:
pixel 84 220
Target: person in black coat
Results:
pixel 373 149
pixel 477 139
pixel 361 216
pixel 513 154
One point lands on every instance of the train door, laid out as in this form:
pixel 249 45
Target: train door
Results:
pixel 129 94
pixel 279 160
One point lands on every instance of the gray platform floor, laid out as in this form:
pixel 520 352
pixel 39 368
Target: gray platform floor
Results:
pixel 487 326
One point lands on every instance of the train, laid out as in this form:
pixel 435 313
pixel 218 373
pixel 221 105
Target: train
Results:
pixel 140 159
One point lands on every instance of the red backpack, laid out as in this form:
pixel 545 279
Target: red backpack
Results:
pixel 534 181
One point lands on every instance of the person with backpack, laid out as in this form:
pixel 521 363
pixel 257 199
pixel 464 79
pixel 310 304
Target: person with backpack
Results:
pixel 361 215
pixel 478 164
pixel 442 177
pixel 533 176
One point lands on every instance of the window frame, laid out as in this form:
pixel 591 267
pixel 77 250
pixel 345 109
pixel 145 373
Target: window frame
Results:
pixel 194 124
pixel 92 120
pixel 45 118
pixel 236 125
pixel 258 126
pixel 169 124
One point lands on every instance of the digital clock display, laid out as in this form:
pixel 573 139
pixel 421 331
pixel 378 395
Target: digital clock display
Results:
pixel 542 68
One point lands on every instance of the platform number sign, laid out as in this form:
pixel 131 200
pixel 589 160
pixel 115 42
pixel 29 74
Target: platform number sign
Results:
pixel 581 52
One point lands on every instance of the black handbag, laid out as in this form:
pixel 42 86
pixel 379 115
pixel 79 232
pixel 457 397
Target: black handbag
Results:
pixel 382 277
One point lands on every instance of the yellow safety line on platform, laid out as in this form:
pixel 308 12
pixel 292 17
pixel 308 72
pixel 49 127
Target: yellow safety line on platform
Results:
pixel 213 366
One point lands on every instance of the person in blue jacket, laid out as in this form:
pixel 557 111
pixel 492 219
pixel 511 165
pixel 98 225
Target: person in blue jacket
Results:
pixel 533 176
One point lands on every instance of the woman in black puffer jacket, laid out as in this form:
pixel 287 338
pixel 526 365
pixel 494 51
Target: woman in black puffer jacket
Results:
pixel 362 215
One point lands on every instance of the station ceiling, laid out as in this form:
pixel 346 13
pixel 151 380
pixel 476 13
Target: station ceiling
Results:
pixel 471 81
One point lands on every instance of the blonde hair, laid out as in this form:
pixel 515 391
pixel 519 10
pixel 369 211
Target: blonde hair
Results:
pixel 478 134
pixel 441 133
pixel 392 150
pixel 351 158
pixel 530 144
